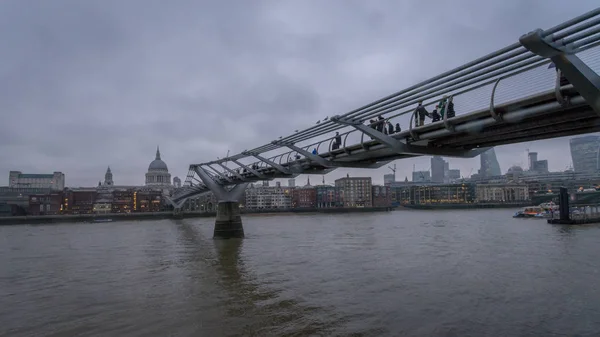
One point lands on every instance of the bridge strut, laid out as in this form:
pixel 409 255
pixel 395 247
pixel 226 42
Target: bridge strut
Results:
pixel 269 162
pixel 228 223
pixel 219 173
pixel 583 78
pixel 239 176
pixel 249 169
pixel 403 148
pixel 328 163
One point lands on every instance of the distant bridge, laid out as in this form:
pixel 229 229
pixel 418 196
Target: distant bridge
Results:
pixel 544 86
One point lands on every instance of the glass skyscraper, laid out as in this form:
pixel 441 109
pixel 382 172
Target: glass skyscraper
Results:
pixel 585 152
pixel 489 164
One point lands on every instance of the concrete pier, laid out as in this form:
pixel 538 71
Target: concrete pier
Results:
pixel 229 222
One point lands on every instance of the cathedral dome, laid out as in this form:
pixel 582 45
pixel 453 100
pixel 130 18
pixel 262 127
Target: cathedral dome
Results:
pixel 515 168
pixel 157 164
pixel 158 172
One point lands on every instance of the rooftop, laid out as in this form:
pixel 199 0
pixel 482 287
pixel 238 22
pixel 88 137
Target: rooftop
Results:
pixel 36 176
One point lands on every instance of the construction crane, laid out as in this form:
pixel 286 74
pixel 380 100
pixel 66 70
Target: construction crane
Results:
pixel 393 171
pixel 470 172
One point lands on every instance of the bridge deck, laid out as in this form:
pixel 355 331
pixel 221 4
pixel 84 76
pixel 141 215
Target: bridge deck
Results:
pixel 533 118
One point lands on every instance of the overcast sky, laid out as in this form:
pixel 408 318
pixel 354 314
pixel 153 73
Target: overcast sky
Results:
pixel 86 84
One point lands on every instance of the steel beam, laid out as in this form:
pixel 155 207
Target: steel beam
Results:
pixel 235 193
pixel 224 176
pixel 212 185
pixel 249 169
pixel 184 194
pixel 583 78
pixel 403 148
pixel 233 172
pixel 220 191
pixel 332 164
pixel 270 163
pixel 504 131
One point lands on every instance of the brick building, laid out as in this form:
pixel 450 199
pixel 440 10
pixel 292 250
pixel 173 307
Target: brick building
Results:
pixel 46 204
pixel 304 197
pixel 382 196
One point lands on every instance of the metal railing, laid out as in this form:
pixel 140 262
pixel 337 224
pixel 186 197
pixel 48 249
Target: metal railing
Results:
pixel 469 86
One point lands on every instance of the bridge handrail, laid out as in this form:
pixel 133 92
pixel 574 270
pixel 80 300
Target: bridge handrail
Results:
pixel 458 72
pixel 347 133
pixel 469 85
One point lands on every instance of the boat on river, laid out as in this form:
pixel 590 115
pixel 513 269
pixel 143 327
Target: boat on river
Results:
pixel 103 220
pixel 544 211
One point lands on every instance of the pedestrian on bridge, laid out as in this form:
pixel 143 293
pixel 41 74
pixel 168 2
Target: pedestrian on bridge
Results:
pixel 435 116
pixel 450 108
pixel 337 141
pixel 441 107
pixel 420 112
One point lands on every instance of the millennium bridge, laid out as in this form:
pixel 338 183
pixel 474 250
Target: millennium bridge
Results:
pixel 545 85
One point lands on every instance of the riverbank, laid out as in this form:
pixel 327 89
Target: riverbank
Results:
pixel 44 219
pixel 465 206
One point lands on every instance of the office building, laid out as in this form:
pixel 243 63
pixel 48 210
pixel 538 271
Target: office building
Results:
pixel 438 166
pixel 489 164
pixel 54 181
pixel 585 152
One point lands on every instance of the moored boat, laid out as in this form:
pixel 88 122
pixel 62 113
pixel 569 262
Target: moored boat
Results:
pixel 103 220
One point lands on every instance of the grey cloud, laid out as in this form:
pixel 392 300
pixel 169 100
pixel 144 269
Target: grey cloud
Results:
pixel 88 84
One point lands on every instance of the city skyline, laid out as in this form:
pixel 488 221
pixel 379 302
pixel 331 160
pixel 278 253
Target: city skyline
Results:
pixel 86 88
pixel 375 174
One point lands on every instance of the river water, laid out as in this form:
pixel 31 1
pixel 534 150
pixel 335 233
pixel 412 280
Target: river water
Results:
pixel 402 273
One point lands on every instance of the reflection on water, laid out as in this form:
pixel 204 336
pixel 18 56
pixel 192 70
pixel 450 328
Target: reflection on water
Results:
pixel 409 273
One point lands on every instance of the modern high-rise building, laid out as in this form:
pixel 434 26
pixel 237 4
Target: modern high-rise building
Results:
pixel 532 159
pixel 540 166
pixel 453 175
pixel 54 181
pixel 389 179
pixel 292 182
pixel 489 164
pixel 584 152
pixel 438 168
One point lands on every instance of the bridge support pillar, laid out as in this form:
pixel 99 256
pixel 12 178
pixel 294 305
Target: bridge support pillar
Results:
pixel 228 224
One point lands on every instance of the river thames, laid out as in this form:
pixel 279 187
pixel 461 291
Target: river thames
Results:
pixel 402 273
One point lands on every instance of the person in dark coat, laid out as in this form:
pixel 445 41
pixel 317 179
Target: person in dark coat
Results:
pixel 421 113
pixel 450 108
pixel 435 116
pixel 380 123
